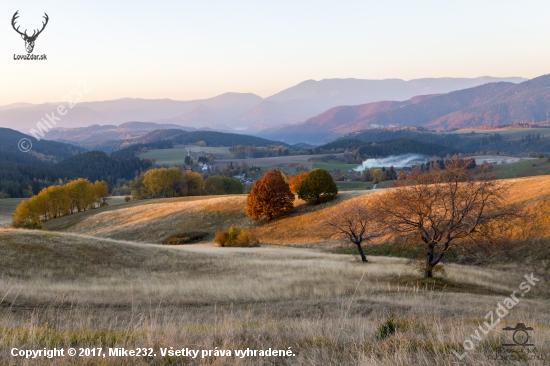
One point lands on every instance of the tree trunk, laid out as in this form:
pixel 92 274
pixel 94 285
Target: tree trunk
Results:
pixel 363 258
pixel 429 258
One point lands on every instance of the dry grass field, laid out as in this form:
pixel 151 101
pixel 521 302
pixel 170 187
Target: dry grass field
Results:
pixel 101 279
pixel 153 221
pixel 69 290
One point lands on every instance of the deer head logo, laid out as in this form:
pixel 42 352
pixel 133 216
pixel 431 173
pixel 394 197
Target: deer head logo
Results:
pixel 29 40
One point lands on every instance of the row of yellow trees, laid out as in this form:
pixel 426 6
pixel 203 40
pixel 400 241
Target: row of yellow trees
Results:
pixel 173 182
pixel 164 182
pixel 56 201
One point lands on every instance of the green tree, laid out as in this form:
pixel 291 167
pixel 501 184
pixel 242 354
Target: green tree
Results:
pixel 317 187
pixel 270 197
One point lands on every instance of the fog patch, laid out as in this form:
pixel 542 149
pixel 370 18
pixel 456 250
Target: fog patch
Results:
pixel 397 161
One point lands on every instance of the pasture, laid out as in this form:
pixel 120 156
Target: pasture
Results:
pixel 7 207
pixel 68 290
pixel 177 155
pixel 526 168
pixel 283 162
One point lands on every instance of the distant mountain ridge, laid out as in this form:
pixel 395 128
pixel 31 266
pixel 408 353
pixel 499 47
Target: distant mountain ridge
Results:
pixel 239 111
pixel 493 104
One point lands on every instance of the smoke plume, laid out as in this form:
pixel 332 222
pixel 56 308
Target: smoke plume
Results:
pixel 398 161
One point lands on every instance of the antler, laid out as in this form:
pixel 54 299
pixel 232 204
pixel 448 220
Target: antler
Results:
pixel 15 16
pixel 34 34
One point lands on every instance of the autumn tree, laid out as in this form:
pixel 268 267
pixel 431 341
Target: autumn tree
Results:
pixel 270 197
pixel 445 208
pixel 356 222
pixel 100 190
pixel 26 215
pixel 56 201
pixel 139 190
pixel 59 202
pixel 295 181
pixel 317 187
pixel 79 195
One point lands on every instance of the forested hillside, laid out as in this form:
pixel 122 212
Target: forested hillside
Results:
pixel 209 138
pixel 465 143
pixel 391 147
pixel 23 174
pixel 96 165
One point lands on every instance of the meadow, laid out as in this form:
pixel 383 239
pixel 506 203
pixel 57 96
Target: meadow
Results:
pixel 68 290
pixel 177 155
pixel 151 221
pixel 102 279
pixel 524 168
pixel 7 207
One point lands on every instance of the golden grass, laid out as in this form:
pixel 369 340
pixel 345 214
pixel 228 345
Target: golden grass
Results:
pixel 152 222
pixel 62 290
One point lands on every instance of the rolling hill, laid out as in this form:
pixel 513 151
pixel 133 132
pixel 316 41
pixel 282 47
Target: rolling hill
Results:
pixel 154 220
pixel 492 104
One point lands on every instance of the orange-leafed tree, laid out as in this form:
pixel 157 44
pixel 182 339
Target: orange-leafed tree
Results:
pixel 270 197
pixel 295 181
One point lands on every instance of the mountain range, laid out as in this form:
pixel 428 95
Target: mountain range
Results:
pixel 245 112
pixel 488 105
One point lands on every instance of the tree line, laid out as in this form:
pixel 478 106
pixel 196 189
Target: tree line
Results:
pixel 174 182
pixel 59 200
pixel 24 175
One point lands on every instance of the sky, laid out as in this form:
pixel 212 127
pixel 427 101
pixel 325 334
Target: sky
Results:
pixel 198 49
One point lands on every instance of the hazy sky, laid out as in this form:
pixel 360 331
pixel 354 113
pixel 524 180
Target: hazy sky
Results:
pixel 197 49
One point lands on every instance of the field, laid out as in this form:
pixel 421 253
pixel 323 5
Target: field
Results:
pixel 333 165
pixel 177 155
pixel 151 221
pixel 293 161
pixel 67 290
pixel 506 133
pixel 100 279
pixel 527 168
pixel 7 206
pixel 358 186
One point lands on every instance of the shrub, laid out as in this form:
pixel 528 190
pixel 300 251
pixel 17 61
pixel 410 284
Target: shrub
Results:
pixel 390 326
pixel 237 237
pixel 222 238
pixel 186 238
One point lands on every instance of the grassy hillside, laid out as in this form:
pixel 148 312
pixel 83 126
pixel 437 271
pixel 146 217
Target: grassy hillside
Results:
pixel 525 168
pixel 153 221
pixel 65 290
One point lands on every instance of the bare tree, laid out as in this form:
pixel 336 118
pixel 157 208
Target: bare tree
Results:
pixel 354 222
pixel 445 208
